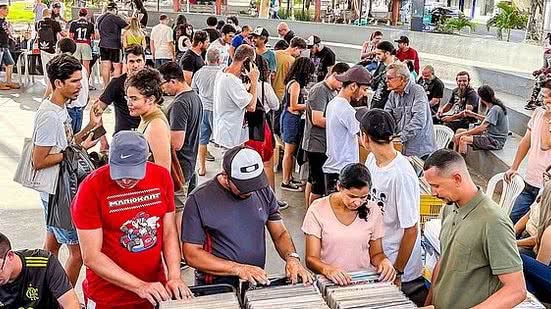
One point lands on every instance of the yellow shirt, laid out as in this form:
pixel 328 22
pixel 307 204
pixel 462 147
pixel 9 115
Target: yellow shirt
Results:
pixel 283 64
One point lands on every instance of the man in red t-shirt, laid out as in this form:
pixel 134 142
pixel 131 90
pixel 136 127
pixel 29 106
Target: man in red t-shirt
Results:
pixel 124 215
pixel 407 53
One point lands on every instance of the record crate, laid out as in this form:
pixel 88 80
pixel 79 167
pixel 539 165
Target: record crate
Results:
pixel 430 208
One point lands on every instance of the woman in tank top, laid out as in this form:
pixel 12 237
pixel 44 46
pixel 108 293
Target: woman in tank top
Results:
pixel 134 35
pixel 143 91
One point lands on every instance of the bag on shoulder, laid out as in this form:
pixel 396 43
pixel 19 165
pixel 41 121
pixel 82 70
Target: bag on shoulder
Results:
pixel 46 38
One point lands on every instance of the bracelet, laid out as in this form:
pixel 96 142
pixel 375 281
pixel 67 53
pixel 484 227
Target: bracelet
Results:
pixel 398 272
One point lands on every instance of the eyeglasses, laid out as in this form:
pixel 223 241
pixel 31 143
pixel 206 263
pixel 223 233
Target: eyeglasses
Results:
pixel 4 258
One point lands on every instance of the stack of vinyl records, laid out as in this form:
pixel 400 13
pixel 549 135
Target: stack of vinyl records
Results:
pixel 215 301
pixel 284 297
pixel 358 277
pixel 531 302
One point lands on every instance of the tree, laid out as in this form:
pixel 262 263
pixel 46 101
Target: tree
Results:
pixel 509 17
pixel 534 30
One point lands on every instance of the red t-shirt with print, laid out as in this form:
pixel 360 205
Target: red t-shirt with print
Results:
pixel 132 223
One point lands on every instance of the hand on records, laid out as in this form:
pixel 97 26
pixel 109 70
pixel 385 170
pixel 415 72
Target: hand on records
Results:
pixel 154 292
pixel 338 276
pixel 253 274
pixel 294 270
pixel 177 289
pixel 386 269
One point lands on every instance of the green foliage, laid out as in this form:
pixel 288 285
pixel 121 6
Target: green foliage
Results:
pixel 509 17
pixel 21 12
pixel 455 24
pixel 303 15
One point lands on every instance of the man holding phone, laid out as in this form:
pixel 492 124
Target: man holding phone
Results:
pixel 232 99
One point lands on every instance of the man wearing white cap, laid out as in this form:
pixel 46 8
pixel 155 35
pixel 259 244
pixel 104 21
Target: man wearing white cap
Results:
pixel 224 223
pixel 124 215
pixel 322 56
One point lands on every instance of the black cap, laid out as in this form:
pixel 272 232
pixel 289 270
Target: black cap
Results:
pixel 376 123
pixel 56 5
pixel 111 5
pixel 402 39
pixel 313 40
pixel 245 169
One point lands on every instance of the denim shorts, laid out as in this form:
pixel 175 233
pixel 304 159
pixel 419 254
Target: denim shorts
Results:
pixel 63 236
pixel 6 57
pixel 76 118
pixel 291 128
pixel 205 131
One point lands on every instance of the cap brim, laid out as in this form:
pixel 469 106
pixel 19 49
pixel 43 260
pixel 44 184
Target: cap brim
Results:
pixel 341 78
pixel 251 185
pixel 118 172
pixel 360 113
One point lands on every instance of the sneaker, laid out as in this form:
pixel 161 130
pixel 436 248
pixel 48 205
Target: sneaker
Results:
pixel 530 106
pixel 290 187
pixel 297 182
pixel 209 157
pixel 91 87
pixel 282 205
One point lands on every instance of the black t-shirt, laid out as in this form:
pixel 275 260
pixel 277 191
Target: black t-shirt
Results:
pixel 114 94
pixel 41 282
pixel 185 114
pixel 289 36
pixel 379 87
pixel 459 101
pixel 47 34
pixel 213 34
pixel 110 27
pixel 324 59
pixel 434 89
pixel 4 37
pixel 82 30
pixel 191 61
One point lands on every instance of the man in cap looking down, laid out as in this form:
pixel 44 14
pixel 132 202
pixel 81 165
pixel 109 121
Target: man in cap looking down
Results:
pixel 322 56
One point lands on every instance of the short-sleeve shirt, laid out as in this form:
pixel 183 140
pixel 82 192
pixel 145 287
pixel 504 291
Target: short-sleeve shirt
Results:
pixel 284 62
pixel 343 246
pixel 498 123
pixel 434 89
pixel 230 103
pixel 110 27
pixel 342 130
pixel 213 34
pixel 41 282
pixel 224 50
pixel 203 84
pixel 270 57
pixel 229 228
pixel 379 87
pixel 323 61
pixel 185 114
pixel 237 41
pixel 132 224
pixel 459 102
pixel 82 30
pixel 538 159
pixel 114 94
pixel 314 139
pixel 161 35
pixel 55 28
pixel 477 242
pixel 395 189
pixel 191 61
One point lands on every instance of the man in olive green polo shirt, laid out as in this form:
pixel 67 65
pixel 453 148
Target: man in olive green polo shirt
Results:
pixel 480 265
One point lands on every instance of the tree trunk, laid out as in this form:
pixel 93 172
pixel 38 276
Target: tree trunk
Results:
pixel 317 15
pixel 534 29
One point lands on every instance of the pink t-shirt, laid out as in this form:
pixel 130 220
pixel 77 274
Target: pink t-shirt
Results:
pixel 538 160
pixel 342 246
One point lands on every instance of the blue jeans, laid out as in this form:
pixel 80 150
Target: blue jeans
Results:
pixel 538 278
pixel 523 202
pixel 76 118
pixel 63 236
pixel 205 130
pixel 159 62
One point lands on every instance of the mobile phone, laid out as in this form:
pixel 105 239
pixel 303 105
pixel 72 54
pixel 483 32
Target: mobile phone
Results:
pixel 98 132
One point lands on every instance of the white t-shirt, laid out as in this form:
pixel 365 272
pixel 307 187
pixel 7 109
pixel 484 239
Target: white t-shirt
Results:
pixel 230 100
pixel 161 36
pixel 82 98
pixel 396 190
pixel 341 129
pixel 224 51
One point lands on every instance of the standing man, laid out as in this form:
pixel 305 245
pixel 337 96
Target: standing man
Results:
pixel 407 53
pixel 241 38
pixel 341 126
pixel 322 56
pixel 464 97
pixel 384 53
pixel 124 215
pixel 395 190
pixel 284 32
pixel 6 58
pixel 535 146
pixel 434 88
pixel 192 60
pixel 109 27
pixel 260 38
pixel 226 253
pixel 479 265
pixel 408 104
pixel 82 32
pixel 162 42
pixel 48 30
pixel 38 9
pixel 223 43
pixel 184 115
pixel 203 84
pixel 232 99
pixel 114 93
pixel 211 29
pixel 58 13
pixel 33 279
pixel 284 60
pixel 314 139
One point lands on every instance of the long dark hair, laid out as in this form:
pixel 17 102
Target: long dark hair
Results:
pixel 356 175
pixel 301 71
pixel 487 94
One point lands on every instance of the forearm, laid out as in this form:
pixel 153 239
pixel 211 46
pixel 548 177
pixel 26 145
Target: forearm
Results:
pixel 506 297
pixel 377 258
pixel 316 265
pixel 251 107
pixel 284 245
pixel 208 263
pixel 522 151
pixel 108 270
pixel 172 253
pixel 48 161
pixel 527 242
pixel 83 134
pixel 406 247
pixel 436 270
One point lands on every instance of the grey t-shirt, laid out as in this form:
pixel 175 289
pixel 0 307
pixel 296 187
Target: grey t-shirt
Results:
pixel 227 227
pixel 203 84
pixel 185 114
pixel 110 27
pixel 498 127
pixel 314 139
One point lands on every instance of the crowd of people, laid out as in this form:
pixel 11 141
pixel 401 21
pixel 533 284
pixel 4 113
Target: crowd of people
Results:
pixel 142 216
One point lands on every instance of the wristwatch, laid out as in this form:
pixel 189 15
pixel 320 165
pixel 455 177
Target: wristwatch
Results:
pixel 293 255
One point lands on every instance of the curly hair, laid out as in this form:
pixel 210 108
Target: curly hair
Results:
pixel 148 83
pixel 301 71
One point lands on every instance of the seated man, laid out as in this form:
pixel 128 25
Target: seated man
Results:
pixel 33 279
pixel 463 98
pixel 223 227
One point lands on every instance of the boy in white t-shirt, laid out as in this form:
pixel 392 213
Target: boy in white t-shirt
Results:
pixel 162 42
pixel 396 190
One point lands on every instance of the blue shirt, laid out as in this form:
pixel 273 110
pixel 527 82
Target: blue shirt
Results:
pixel 237 41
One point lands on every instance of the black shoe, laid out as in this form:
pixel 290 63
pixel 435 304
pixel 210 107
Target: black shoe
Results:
pixel 282 205
pixel 530 106
pixel 290 187
pixel 209 157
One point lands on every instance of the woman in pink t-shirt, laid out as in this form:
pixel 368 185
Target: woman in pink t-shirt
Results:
pixel 344 232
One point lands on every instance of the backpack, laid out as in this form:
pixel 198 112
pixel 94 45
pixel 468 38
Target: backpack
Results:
pixel 46 38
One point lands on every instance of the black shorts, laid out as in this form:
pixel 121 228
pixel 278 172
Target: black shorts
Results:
pixel 331 183
pixel 315 173
pixel 110 54
pixel 486 142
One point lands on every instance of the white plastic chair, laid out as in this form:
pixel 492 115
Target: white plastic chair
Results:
pixel 509 193
pixel 443 136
